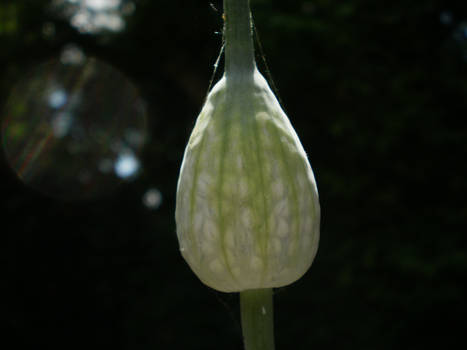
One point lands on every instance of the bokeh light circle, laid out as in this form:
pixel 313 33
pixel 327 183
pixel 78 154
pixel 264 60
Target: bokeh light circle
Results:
pixel 74 127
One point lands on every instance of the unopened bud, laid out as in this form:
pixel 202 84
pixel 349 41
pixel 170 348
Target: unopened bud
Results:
pixel 247 204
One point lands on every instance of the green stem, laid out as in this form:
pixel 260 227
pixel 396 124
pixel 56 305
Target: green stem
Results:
pixel 238 35
pixel 256 308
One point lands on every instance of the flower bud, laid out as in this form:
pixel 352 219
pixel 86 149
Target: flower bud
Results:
pixel 247 208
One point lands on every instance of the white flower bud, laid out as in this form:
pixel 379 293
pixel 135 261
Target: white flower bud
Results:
pixel 247 204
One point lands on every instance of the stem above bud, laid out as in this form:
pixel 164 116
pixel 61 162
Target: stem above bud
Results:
pixel 238 35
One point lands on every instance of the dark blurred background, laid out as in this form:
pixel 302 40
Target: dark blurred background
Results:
pixel 98 98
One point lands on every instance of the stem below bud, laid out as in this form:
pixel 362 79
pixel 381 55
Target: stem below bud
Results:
pixel 257 319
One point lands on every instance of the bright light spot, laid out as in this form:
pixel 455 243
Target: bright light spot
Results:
pixel 152 199
pixel 81 20
pixel 110 21
pixel 61 124
pixel 57 98
pixel 93 16
pixel 126 165
pixel 102 5
pixel 72 54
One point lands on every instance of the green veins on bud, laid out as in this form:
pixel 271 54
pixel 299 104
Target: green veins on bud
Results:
pixel 247 208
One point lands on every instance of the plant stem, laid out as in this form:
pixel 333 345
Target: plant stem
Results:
pixel 256 308
pixel 238 35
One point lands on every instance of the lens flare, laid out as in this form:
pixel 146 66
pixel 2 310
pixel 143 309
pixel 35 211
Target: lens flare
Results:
pixel 74 127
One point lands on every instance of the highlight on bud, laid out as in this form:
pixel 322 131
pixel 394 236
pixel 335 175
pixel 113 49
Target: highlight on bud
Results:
pixel 247 208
